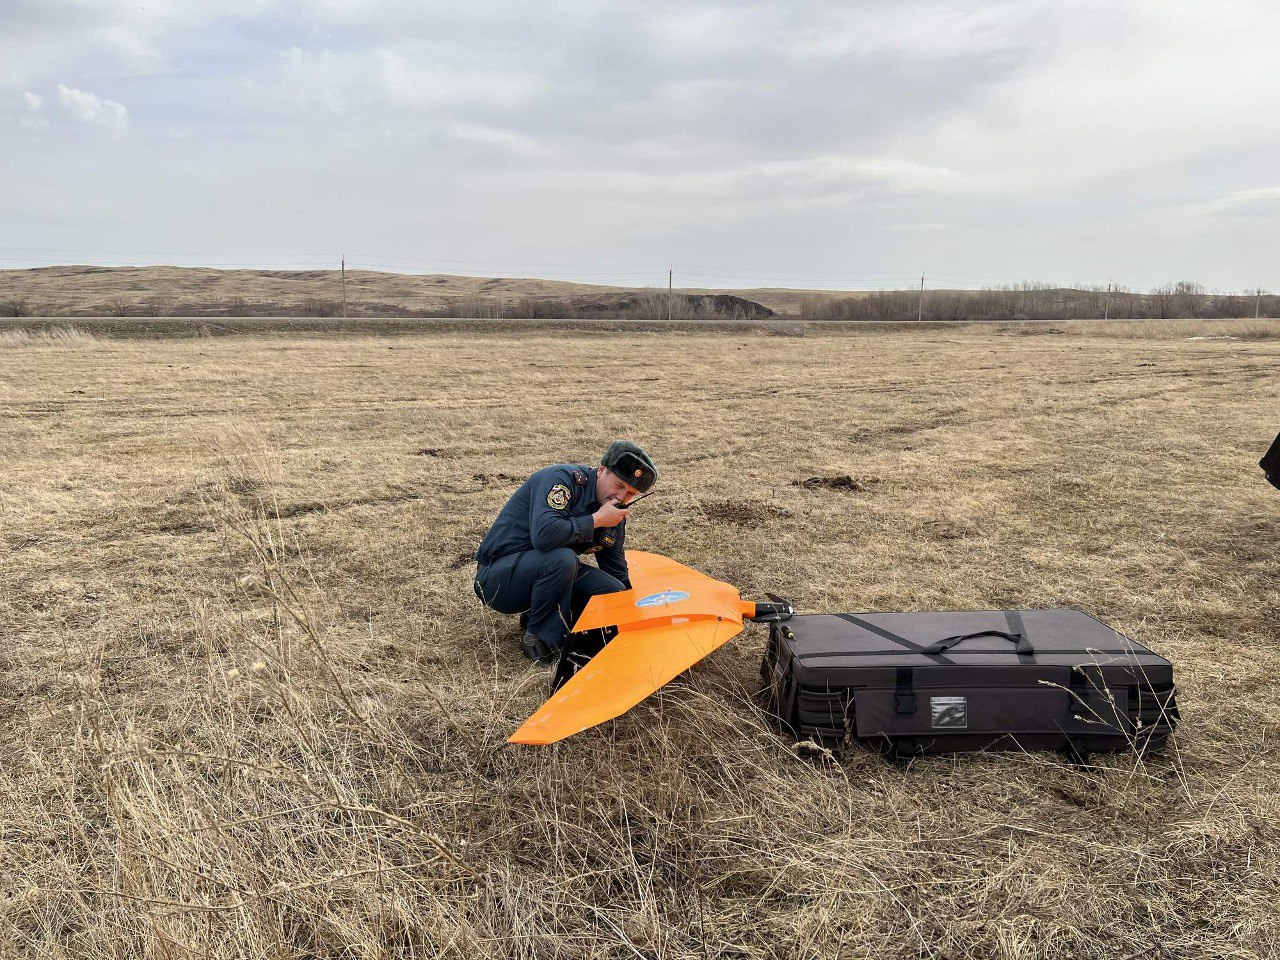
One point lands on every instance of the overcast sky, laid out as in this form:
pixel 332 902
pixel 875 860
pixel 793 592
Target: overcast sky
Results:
pixel 843 144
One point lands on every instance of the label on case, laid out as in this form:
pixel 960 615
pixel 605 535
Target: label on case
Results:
pixel 949 713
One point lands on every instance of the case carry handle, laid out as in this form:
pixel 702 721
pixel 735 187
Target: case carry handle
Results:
pixel 1023 645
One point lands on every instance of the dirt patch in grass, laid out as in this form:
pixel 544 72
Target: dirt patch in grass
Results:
pixel 743 512
pixel 837 482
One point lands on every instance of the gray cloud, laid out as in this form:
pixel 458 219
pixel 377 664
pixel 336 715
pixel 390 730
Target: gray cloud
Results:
pixel 1261 202
pixel 983 140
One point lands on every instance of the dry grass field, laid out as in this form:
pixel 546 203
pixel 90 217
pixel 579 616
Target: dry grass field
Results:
pixel 250 708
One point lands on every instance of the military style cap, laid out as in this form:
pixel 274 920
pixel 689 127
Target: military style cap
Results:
pixel 629 462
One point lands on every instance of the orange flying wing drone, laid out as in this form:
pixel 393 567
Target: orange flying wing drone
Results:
pixel 671 618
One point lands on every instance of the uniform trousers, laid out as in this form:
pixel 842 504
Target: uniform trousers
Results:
pixel 553 586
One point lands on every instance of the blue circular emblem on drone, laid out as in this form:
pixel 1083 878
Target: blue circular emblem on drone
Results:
pixel 662 599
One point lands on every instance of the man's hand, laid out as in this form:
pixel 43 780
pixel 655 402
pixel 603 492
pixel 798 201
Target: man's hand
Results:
pixel 610 515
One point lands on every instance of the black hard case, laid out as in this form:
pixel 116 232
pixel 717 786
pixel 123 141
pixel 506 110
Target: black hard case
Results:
pixel 1077 685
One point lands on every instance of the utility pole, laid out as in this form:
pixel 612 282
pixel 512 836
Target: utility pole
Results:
pixel 1106 303
pixel 344 286
pixel 670 278
pixel 1257 305
pixel 920 305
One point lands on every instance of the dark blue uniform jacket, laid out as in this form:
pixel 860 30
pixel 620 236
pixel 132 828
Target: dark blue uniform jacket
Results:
pixel 553 509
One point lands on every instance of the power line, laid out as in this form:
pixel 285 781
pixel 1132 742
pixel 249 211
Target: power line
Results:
pixel 327 257
pixel 600 268
pixel 259 265
pixel 628 274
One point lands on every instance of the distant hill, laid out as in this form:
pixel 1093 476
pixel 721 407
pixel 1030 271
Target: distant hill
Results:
pixel 90 291
pixel 201 291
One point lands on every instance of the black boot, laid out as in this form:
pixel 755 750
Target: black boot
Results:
pixel 538 650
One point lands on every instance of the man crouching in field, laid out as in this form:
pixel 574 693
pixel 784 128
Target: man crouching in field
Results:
pixel 528 561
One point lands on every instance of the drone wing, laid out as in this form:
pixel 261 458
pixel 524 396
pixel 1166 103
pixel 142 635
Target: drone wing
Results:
pixel 671 618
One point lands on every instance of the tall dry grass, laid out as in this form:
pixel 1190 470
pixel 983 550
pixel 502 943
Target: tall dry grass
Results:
pixel 54 337
pixel 251 708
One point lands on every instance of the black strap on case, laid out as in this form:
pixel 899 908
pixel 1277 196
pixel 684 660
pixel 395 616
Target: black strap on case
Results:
pixel 904 693
pixel 892 637
pixel 946 643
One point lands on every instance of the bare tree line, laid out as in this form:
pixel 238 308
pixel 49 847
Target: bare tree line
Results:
pixel 655 306
pixel 1038 301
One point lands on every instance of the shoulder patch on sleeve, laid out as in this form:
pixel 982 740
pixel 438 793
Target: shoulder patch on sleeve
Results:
pixel 558 497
